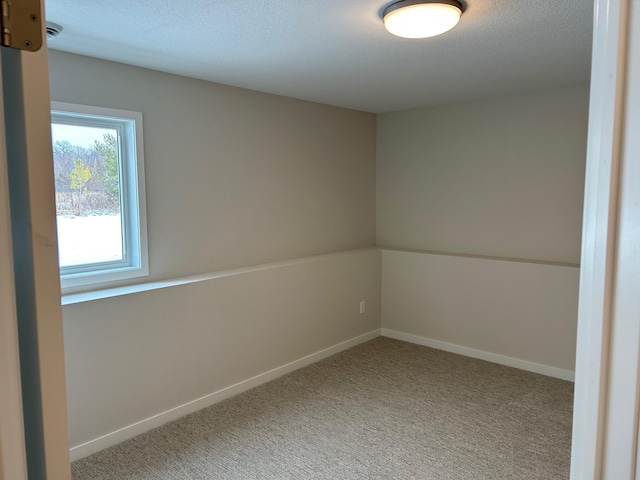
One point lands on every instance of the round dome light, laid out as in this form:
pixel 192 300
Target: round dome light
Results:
pixel 421 18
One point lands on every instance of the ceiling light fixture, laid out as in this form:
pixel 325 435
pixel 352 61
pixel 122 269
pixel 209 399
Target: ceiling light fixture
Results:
pixel 421 18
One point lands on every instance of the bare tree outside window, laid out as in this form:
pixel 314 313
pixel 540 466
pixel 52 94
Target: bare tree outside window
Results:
pixel 87 178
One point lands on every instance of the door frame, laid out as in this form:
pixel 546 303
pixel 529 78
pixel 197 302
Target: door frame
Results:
pixel 12 452
pixel 34 281
pixel 605 427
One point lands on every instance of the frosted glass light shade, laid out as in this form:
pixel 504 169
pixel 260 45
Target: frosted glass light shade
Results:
pixel 411 19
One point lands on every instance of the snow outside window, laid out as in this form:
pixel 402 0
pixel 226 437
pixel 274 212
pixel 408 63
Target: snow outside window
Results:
pixel 100 200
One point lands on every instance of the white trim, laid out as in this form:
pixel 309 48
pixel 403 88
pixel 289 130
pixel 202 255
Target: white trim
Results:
pixel 481 355
pixel 45 294
pixel 599 240
pixel 133 207
pixel 70 299
pixel 480 257
pixel 623 401
pixel 130 431
pixel 13 464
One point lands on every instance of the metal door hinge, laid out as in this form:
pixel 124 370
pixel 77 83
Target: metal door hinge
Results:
pixel 21 24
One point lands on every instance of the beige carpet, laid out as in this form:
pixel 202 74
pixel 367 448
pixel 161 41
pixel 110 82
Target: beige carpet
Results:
pixel 383 410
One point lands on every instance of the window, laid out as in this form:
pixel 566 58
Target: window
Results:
pixel 100 198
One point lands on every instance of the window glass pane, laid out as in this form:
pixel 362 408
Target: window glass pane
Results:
pixel 88 196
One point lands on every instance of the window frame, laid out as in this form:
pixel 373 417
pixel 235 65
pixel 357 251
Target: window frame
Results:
pixel 135 262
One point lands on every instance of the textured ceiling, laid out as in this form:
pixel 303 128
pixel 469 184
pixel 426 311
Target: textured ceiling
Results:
pixel 337 51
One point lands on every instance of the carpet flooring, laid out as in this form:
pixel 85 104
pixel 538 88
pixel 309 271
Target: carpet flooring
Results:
pixel 382 410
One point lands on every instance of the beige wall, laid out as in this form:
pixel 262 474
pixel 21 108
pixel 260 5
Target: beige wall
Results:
pixel 501 177
pixel 134 356
pixel 494 178
pixel 523 311
pixel 235 177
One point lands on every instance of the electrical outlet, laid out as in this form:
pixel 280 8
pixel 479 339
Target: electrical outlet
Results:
pixel 362 307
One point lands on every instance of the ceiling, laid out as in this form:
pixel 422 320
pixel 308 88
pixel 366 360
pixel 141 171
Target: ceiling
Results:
pixel 337 52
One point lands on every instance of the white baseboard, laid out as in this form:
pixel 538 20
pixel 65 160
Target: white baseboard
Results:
pixel 482 355
pixel 130 431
